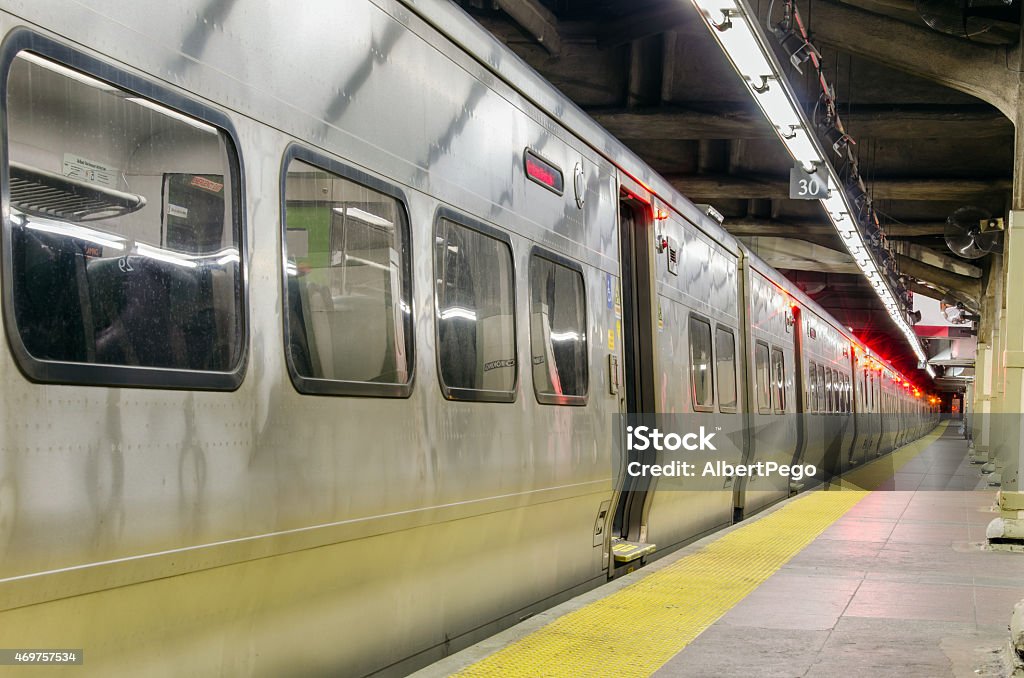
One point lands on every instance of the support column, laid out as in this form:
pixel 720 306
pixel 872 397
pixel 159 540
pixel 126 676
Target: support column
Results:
pixel 980 421
pixel 1006 361
pixel 1010 384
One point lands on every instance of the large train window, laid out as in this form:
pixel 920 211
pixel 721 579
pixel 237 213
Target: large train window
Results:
pixel 725 368
pixel 558 330
pixel 762 378
pixel 348 295
pixel 701 365
pixel 778 380
pixel 475 300
pixel 123 236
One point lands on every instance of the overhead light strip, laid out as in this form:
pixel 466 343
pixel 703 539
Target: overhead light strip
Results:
pixel 734 26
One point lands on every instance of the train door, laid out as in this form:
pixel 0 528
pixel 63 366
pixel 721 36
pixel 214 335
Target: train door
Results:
pixel 637 261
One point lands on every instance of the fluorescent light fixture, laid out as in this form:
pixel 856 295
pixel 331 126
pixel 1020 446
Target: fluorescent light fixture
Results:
pixel 802 149
pixel 742 48
pixel 734 26
pixel 458 312
pixel 101 238
pixel 366 262
pixel 364 216
pixel 170 113
pixel 168 256
pixel 565 336
pixel 779 108
pixel 714 9
pixel 66 72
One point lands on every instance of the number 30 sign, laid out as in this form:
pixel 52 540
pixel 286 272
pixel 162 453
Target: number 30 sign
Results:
pixel 807 186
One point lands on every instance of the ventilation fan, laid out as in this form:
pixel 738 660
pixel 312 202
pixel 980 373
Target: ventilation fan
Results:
pixel 971 232
pixel 978 20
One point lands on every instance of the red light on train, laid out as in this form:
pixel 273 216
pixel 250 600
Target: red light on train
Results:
pixel 660 214
pixel 543 172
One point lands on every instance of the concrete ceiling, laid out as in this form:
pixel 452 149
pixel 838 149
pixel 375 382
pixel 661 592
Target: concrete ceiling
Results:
pixel 918 103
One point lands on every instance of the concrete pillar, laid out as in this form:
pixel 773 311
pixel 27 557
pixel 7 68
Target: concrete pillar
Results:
pixel 1010 385
pixel 981 421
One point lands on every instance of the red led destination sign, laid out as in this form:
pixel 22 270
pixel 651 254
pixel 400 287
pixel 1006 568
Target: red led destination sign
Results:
pixel 542 172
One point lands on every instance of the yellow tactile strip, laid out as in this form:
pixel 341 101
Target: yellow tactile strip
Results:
pixel 634 631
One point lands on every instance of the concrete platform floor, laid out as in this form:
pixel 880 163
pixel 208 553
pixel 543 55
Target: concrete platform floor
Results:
pixel 899 586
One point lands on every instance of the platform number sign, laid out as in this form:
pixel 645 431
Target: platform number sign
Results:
pixel 807 186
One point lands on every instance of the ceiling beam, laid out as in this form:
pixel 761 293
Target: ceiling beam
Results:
pixel 820 229
pixel 938 259
pixel 739 122
pixel 960 287
pixel 799 255
pixel 896 231
pixel 537 20
pixel 637 25
pixel 747 227
pixel 646 63
pixel 979 70
pixel 926 290
pixel 895 188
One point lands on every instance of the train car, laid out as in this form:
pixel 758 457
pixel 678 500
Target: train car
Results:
pixel 318 323
pixel 772 341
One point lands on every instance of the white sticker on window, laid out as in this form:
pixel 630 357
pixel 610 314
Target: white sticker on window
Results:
pixel 177 211
pixel 77 167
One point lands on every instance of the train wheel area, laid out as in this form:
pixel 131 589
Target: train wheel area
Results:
pixel 870 582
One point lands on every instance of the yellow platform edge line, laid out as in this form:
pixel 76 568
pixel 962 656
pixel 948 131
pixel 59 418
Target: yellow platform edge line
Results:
pixel 635 630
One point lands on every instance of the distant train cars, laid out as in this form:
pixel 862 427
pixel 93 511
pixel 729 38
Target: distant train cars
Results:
pixel 316 330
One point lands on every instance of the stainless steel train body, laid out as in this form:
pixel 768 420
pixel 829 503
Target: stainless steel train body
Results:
pixel 318 319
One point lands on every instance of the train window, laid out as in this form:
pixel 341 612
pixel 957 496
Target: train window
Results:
pixel 558 330
pixel 347 281
pixel 475 298
pixel 829 392
pixel 812 388
pixel 762 378
pixel 779 380
pixel 846 393
pixel 725 362
pixel 123 238
pixel 822 395
pixel 700 364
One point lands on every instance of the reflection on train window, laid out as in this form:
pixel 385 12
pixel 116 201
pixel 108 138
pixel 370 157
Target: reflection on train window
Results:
pixel 558 332
pixel 348 290
pixel 475 314
pixel 847 391
pixel 830 400
pixel 124 244
pixel 822 395
pixel 812 388
pixel 762 378
pixel 700 364
pixel 778 380
pixel 725 367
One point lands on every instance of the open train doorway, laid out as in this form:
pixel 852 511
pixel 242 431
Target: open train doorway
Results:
pixel 636 240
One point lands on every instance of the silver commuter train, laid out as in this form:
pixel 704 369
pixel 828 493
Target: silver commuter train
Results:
pixel 270 279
